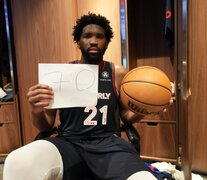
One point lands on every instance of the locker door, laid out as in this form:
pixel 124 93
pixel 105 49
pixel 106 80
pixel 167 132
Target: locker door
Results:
pixel 147 46
pixel 183 90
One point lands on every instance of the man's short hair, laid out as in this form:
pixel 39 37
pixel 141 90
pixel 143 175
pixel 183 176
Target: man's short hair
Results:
pixel 92 18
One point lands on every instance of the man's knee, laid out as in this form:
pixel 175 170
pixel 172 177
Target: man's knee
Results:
pixel 38 159
pixel 142 175
pixel 17 159
pixel 16 164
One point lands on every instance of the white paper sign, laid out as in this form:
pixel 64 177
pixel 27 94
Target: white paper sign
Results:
pixel 74 85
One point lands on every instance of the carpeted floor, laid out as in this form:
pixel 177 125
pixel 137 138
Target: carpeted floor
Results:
pixel 2 163
pixel 1 167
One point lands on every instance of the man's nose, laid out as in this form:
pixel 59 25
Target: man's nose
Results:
pixel 94 40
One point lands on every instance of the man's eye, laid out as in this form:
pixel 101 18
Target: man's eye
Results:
pixel 87 35
pixel 100 36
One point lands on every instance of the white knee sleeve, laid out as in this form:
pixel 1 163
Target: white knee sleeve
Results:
pixel 142 175
pixel 39 160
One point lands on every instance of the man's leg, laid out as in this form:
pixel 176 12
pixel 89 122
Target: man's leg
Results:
pixel 142 175
pixel 39 160
pixel 115 159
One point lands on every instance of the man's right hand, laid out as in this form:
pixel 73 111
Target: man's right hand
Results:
pixel 39 97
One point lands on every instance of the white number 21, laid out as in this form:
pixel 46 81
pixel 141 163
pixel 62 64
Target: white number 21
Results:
pixel 90 121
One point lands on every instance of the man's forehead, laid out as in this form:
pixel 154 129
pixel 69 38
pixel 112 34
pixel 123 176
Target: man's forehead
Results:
pixel 93 28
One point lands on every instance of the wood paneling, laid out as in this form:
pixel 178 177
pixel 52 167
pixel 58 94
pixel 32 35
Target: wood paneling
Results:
pixel 198 78
pixel 7 110
pixel 147 43
pixel 148 47
pixel 9 128
pixel 10 135
pixel 184 123
pixel 42 34
pixel 158 140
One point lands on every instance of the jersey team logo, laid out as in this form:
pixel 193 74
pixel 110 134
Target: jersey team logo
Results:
pixel 105 74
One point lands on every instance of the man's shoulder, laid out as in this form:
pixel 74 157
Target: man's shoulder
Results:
pixel 120 70
pixel 115 65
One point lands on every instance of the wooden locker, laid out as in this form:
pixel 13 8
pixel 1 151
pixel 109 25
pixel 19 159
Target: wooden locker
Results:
pixel 147 46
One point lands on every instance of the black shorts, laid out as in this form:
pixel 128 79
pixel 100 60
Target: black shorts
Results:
pixel 104 158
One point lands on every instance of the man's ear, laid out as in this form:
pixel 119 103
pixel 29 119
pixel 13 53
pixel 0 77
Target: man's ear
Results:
pixel 78 44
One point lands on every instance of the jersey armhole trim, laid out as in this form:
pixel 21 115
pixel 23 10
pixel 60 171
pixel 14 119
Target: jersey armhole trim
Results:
pixel 113 80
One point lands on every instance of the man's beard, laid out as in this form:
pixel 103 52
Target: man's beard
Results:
pixel 93 59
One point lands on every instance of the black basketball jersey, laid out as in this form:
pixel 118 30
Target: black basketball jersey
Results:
pixel 94 121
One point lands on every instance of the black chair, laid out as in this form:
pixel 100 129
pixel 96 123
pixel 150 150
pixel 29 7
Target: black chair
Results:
pixel 132 135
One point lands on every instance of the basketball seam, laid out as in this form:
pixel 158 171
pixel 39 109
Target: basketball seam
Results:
pixel 142 101
pixel 144 67
pixel 148 83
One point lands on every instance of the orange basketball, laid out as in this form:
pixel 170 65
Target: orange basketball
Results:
pixel 145 90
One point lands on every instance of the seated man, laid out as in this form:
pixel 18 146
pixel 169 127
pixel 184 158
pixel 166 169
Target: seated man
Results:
pixel 88 144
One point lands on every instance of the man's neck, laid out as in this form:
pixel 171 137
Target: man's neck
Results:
pixel 83 61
